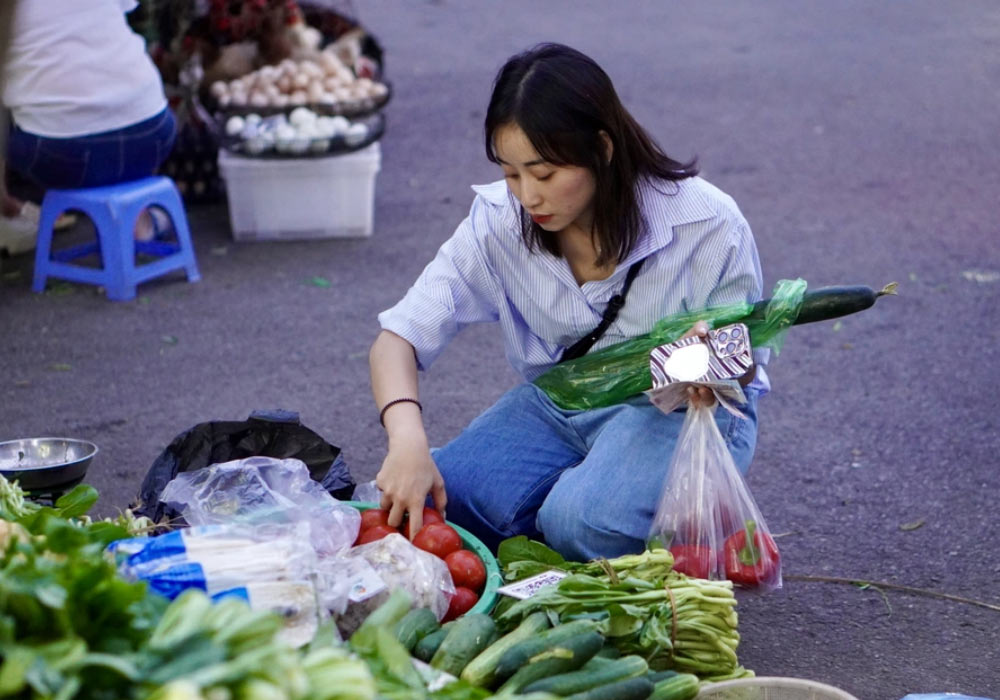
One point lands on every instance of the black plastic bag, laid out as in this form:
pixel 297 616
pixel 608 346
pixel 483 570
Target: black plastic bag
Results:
pixel 272 433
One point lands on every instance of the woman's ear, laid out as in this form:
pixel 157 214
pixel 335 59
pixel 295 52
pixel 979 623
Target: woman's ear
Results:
pixel 609 147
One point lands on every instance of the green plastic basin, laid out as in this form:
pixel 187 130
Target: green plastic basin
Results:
pixel 494 579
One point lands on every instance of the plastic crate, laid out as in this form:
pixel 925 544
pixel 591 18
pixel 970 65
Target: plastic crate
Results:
pixel 301 198
pixel 771 688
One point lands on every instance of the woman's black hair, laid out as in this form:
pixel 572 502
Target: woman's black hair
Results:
pixel 563 100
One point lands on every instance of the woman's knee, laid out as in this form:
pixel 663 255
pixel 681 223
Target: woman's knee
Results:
pixel 581 529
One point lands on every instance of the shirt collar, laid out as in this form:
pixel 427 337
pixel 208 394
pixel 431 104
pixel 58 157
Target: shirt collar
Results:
pixel 664 204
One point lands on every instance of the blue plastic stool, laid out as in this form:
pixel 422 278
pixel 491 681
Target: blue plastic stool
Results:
pixel 114 209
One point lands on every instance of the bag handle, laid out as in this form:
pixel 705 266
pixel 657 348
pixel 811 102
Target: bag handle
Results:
pixel 615 304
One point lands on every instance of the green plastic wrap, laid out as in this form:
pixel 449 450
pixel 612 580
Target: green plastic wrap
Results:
pixel 611 375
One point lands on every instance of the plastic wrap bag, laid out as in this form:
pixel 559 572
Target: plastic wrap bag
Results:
pixel 707 516
pixel 270 433
pixel 611 375
pixel 271 567
pixel 261 490
pixel 399 564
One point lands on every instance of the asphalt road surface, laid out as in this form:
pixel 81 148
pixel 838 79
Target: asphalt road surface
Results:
pixel 861 140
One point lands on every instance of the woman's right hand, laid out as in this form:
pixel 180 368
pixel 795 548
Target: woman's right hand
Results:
pixel 408 474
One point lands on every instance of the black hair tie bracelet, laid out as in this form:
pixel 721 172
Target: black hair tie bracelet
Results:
pixel 381 415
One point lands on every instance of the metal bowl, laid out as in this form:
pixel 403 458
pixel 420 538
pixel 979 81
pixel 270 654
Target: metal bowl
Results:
pixel 47 463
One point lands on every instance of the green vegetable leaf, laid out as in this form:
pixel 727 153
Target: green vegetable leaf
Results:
pixel 908 527
pixel 521 549
pixel 77 502
pixel 14 669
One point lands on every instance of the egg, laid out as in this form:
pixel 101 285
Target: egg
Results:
pixel 298 98
pixel 311 69
pixel 288 66
pixel 315 92
pixel 325 127
pixel 355 134
pixel 234 125
pixel 379 90
pixel 238 99
pixel 301 116
pixel 252 118
pixel 281 101
pixel 284 83
pixel 298 145
pixel 329 63
pixel 218 89
pixel 255 146
pixel 300 80
pixel 249 131
pixel 258 99
pixel 339 124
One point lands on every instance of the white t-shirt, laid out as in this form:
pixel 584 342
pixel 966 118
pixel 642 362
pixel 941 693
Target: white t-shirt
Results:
pixel 75 67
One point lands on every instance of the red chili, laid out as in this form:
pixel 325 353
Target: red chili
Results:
pixel 693 560
pixel 751 557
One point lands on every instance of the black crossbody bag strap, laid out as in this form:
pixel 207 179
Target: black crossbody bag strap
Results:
pixel 615 304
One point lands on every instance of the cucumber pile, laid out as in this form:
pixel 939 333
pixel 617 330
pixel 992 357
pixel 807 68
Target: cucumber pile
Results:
pixel 537 660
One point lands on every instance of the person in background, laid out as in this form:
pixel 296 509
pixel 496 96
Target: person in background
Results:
pixel 590 207
pixel 85 103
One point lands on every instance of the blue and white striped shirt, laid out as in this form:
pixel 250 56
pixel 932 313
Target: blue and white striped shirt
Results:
pixel 699 253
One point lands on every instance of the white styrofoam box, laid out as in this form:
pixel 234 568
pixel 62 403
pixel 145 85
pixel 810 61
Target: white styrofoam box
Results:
pixel 301 198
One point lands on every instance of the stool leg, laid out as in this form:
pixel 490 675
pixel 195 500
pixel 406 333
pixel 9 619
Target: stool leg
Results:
pixel 174 207
pixel 117 252
pixel 43 247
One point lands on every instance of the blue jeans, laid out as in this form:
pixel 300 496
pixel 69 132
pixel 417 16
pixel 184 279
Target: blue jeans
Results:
pixel 587 482
pixel 93 160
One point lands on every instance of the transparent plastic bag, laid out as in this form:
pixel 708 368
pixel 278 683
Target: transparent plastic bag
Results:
pixel 399 565
pixel 707 516
pixel 216 558
pixel 611 375
pixel 367 492
pixel 271 567
pixel 264 490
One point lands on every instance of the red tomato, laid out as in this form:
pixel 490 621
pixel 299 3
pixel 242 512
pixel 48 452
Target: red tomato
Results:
pixel 430 516
pixel 374 516
pixel 466 569
pixel 461 602
pixel 438 539
pixel 375 532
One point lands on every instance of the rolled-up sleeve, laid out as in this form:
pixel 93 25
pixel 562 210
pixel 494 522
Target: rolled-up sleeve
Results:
pixel 456 289
pixel 735 276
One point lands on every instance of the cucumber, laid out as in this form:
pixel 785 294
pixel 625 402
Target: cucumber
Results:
pixel 428 646
pixel 590 676
pixel 609 653
pixel 414 626
pixel 464 642
pixel 826 303
pixel 480 671
pixel 567 655
pixel 657 676
pixel 629 689
pixel 682 686
pixel 518 654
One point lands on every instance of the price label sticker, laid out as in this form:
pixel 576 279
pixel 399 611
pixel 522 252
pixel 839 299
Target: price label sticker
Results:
pixel 530 586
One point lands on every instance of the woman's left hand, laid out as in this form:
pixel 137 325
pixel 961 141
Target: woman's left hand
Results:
pixel 699 396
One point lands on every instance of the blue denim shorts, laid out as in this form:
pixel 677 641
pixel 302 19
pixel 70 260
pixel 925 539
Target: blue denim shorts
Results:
pixel 93 160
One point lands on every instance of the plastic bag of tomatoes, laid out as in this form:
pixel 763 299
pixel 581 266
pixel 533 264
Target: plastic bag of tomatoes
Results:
pixel 437 537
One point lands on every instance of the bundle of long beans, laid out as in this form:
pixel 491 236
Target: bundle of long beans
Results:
pixel 671 620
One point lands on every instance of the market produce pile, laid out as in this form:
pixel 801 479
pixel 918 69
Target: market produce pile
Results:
pixel 72 626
